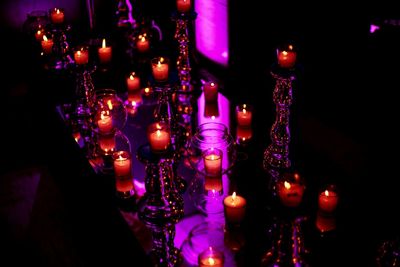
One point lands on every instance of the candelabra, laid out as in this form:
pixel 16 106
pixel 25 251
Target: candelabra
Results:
pixel 276 156
pixel 61 49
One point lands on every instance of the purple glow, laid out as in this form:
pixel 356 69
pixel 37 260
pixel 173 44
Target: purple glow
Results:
pixel 373 28
pixel 212 29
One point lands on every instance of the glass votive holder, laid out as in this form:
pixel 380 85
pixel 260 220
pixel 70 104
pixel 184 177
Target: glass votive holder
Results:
pixel 210 92
pixel 81 55
pixel 243 134
pixel 234 209
pixel 143 43
pixel 211 257
pixel 286 56
pixel 122 161
pixel 104 121
pixel 159 137
pixel 133 82
pixel 57 15
pixel 244 115
pixel 328 199
pixel 47 44
pixel 160 68
pixel 212 158
pixel 106 143
pixel 104 52
pixel 183 6
pixel 290 189
pixel 109 103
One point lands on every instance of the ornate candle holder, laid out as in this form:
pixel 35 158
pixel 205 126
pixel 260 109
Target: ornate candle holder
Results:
pixel 276 156
pixel 164 253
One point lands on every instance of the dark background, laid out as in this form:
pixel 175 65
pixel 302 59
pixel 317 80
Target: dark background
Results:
pixel 345 106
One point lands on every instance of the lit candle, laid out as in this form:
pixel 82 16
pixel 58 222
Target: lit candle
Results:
pixel 327 201
pixel 211 257
pixel 105 123
pixel 235 208
pixel 290 194
pixel 159 137
pixel 243 115
pixel 243 134
pixel 39 35
pixel 105 53
pixel 147 91
pixel 133 82
pixel 122 163
pixel 57 16
pixel 47 45
pixel 287 58
pixel 160 69
pixel 210 92
pixel 212 158
pixel 107 143
pixel 81 56
pixel 213 183
pixel 142 44
pixel 183 5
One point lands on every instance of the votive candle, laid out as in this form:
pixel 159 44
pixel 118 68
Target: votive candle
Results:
pixel 235 208
pixel 328 200
pixel 160 69
pixel 183 6
pixel 142 44
pixel 159 136
pixel 81 56
pixel 287 57
pixel 244 115
pixel 47 45
pixel 211 257
pixel 57 16
pixel 105 53
pixel 210 92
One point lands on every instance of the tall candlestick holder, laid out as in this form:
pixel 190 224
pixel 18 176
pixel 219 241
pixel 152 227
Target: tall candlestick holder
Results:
pixel 182 36
pixel 276 156
pixel 164 253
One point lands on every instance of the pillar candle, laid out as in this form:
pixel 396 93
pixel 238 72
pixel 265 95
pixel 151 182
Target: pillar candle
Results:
pixel 105 53
pixel 210 92
pixel 183 5
pixel 211 257
pixel 235 208
pixel 122 163
pixel 212 159
pixel 287 57
pixel 142 44
pixel 160 69
pixel 290 194
pixel 243 115
pixel 57 16
pixel 47 45
pixel 133 82
pixel 105 123
pixel 159 137
pixel 81 56
pixel 39 34
pixel 327 201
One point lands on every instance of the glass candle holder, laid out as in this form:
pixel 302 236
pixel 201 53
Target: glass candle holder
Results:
pixel 183 6
pixel 133 82
pixel 109 103
pixel 211 257
pixel 291 189
pixel 243 134
pixel 286 56
pixel 81 55
pixel 123 173
pixel 160 68
pixel 57 15
pixel 210 92
pixel 328 199
pixel 143 43
pixel 104 52
pixel 234 208
pixel 244 115
pixel 47 45
pixel 159 137
pixel 212 158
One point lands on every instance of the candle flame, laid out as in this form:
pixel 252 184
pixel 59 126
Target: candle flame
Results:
pixel 287 185
pixel 143 39
pixel 78 53
pixel 109 104
pixel 39 32
pixel 158 126
pixel 147 90
pixel 327 193
pixel 57 11
pixel 234 196
pixel 212 157
pixel 296 176
pixel 120 157
pixel 244 111
pixel 212 117
pixel 161 60
pixel 104 43
pixel 102 116
pixel 45 38
pixel 244 106
pixel 284 53
pixel 211 261
pixel 158 133
pixel 133 103
pixel 132 77
pixel 290 47
pixel 212 84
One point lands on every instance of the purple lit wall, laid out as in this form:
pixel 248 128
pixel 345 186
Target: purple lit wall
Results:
pixel 212 29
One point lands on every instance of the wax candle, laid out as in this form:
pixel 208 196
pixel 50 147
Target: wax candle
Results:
pixel 159 136
pixel 287 57
pixel 327 201
pixel 183 5
pixel 235 208
pixel 81 56
pixel 210 92
pixel 105 123
pixel 160 69
pixel 290 193
pixel 133 82
pixel 213 183
pixel 143 44
pixel 47 45
pixel 57 16
pixel 325 223
pixel 243 134
pixel 122 164
pixel 105 53
pixel 244 115
pixel 212 159
pixel 39 34
pixel 107 143
pixel 211 257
